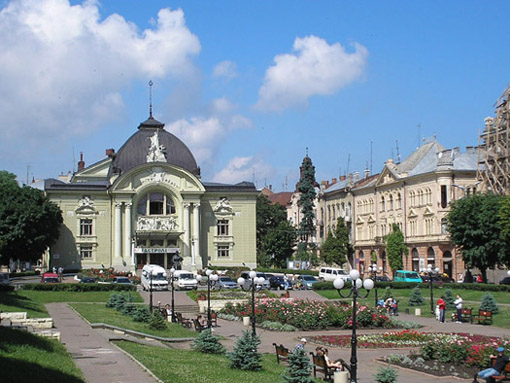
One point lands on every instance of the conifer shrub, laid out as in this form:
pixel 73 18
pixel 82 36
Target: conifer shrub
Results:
pixel 245 356
pixel 141 314
pixel 386 375
pixel 208 343
pixel 387 293
pixel 299 368
pixel 157 321
pixel 449 299
pixel 416 299
pixel 489 303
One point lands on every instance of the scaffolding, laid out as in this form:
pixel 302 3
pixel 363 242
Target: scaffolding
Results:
pixel 494 149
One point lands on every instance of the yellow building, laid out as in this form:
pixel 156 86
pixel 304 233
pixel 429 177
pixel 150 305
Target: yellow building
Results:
pixel 147 204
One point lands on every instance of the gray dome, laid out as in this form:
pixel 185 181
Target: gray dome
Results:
pixel 136 149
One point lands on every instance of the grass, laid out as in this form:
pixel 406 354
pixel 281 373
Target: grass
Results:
pixel 33 301
pixel 99 313
pixel 27 358
pixel 182 366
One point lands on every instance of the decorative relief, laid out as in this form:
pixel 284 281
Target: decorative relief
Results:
pixel 156 151
pixel 86 206
pixel 223 206
pixel 159 176
pixel 85 202
pixel 156 224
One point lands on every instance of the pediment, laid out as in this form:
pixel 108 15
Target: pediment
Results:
pixel 97 171
pixel 412 213
pixel 359 220
pixel 86 206
pixel 387 176
pixel 428 211
pixel 371 219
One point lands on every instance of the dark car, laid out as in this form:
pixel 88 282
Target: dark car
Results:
pixel 505 281
pixel 382 278
pixel 435 279
pixel 278 282
pixel 122 281
pixel 307 281
pixel 88 280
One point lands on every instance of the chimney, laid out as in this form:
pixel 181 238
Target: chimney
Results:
pixel 366 173
pixel 110 152
pixel 271 187
pixel 469 150
pixel 81 163
pixel 456 150
pixel 342 178
pixel 333 181
pixel 356 176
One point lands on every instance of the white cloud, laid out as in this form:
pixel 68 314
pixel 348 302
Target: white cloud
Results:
pixel 241 169
pixel 225 69
pixel 316 68
pixel 63 67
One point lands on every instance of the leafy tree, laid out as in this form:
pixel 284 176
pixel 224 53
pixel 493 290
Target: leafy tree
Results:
pixel 208 343
pixel 395 247
pixel 299 368
pixel 337 247
pixel 269 216
pixel 29 221
pixel 416 299
pixel 245 356
pixel 278 244
pixel 473 228
pixel 504 223
pixel 306 188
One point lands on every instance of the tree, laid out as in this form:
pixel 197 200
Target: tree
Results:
pixel 416 299
pixel 278 244
pixel 395 247
pixel 299 368
pixel 306 188
pixel 337 248
pixel 474 229
pixel 245 356
pixel 29 221
pixel 504 223
pixel 269 216
pixel 208 343
pixel 489 303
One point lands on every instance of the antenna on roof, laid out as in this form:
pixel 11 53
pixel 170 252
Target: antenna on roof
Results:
pixel 398 153
pixel 371 143
pixel 285 183
pixel 348 162
pixel 307 151
pixel 150 98
pixel 419 135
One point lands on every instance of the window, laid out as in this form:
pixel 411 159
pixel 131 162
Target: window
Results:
pixel 444 226
pixel 156 204
pixel 383 205
pixel 85 227
pixel 399 201
pixel 223 252
pixel 390 201
pixel 222 227
pixel 444 196
pixel 86 252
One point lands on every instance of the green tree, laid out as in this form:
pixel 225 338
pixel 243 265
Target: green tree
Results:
pixel 449 299
pixel 474 229
pixel 245 356
pixel 504 223
pixel 306 188
pixel 299 368
pixel 489 303
pixel 395 247
pixel 208 343
pixel 416 299
pixel 278 244
pixel 337 248
pixel 29 221
pixel 269 216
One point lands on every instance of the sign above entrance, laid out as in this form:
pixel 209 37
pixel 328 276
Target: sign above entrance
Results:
pixel 160 250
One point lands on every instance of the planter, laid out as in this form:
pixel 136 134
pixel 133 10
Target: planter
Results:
pixel 246 321
pixel 417 312
pixel 218 304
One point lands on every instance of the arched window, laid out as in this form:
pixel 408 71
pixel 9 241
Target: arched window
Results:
pixel 431 257
pixel 390 201
pixel 416 259
pixel 383 204
pixel 156 204
pixel 399 201
pixel 412 197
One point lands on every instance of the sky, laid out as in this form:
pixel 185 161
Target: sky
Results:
pixel 249 86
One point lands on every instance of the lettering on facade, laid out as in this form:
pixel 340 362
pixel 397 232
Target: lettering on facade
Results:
pixel 156 250
pixel 156 224
pixel 156 151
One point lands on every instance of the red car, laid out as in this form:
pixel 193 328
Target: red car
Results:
pixel 49 278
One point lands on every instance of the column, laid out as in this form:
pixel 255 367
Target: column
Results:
pixel 127 231
pixel 196 233
pixel 117 250
pixel 185 229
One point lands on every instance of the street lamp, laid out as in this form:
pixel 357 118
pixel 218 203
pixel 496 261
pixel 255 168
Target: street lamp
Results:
pixel 211 281
pixel 431 272
pixel 254 281
pixel 172 271
pixel 150 291
pixel 357 283
pixel 373 269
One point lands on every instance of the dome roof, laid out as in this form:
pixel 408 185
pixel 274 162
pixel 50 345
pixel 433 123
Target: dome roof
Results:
pixel 152 143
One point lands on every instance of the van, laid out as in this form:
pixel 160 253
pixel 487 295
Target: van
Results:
pixel 184 280
pixel 159 278
pixel 329 274
pixel 407 276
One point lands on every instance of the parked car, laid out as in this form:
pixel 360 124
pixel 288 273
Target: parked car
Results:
pixel 246 276
pixel 88 280
pixel 49 278
pixel 225 283
pixel 279 282
pixel 435 279
pixel 329 274
pixel 307 281
pixel 407 276
pixel 154 277
pixel 122 281
pixel 382 278
pixel 505 281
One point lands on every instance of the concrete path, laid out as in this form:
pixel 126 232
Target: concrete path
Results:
pixel 99 360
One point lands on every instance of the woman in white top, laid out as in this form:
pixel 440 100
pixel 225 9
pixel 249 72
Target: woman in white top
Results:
pixel 458 305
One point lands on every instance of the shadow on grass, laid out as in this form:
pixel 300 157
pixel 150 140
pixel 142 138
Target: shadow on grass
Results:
pixel 13 337
pixel 14 370
pixel 11 298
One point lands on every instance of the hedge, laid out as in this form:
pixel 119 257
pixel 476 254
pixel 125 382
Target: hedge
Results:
pixel 77 287
pixel 24 274
pixel 287 271
pixel 412 285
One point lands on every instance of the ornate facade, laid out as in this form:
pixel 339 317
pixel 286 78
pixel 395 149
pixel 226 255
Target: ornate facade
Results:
pixel 147 204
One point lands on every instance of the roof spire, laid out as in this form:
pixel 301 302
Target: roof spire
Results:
pixel 307 151
pixel 150 98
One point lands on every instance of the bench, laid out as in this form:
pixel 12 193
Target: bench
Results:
pixel 183 321
pixel 484 317
pixel 467 315
pixel 282 353
pixel 214 319
pixel 198 326
pixel 320 366
pixel 505 374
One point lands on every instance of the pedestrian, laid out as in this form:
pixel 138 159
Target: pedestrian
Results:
pixel 497 366
pixel 442 309
pixel 458 305
pixel 60 273
pixel 301 345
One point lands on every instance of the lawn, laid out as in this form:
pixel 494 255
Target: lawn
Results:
pixel 28 358
pixel 182 366
pixel 99 313
pixel 33 301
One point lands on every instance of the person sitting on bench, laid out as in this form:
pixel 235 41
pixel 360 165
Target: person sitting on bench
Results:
pixel 497 367
pixel 336 365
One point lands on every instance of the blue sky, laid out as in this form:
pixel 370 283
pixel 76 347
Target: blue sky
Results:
pixel 247 85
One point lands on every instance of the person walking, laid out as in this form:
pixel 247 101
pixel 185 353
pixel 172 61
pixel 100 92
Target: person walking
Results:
pixel 442 309
pixel 301 345
pixel 458 305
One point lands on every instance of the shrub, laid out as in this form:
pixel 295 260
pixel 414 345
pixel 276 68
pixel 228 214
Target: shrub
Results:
pixel 387 293
pixel 277 326
pixel 416 299
pixel 141 314
pixel 299 368
pixel 449 299
pixel 77 287
pixel 157 321
pixel 386 375
pixel 208 343
pixel 245 356
pixel 489 304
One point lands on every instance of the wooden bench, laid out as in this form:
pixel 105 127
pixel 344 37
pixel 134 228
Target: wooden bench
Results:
pixel 467 315
pixel 214 319
pixel 198 326
pixel 484 317
pixel 282 353
pixel 183 321
pixel 505 374
pixel 320 366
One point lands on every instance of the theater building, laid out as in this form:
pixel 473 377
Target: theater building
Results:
pixel 147 203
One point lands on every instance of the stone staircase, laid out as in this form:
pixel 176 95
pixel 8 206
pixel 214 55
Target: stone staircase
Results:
pixel 38 326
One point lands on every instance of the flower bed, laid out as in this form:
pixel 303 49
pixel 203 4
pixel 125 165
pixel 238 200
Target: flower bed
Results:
pixel 308 314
